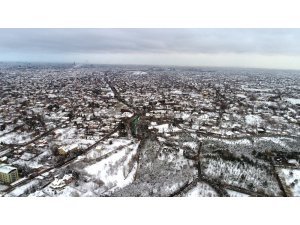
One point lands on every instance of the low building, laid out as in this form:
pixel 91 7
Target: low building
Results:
pixel 64 150
pixel 61 183
pixel 8 174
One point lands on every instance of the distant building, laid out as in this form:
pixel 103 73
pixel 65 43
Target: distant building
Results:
pixel 8 174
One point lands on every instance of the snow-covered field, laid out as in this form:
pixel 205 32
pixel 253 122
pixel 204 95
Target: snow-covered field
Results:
pixel 201 190
pixel 65 133
pixel 190 144
pixel 237 142
pixel 277 140
pixel 117 170
pixel 106 147
pixel 27 156
pixel 253 120
pixel 31 164
pixel 22 189
pixel 236 194
pixel 68 136
pixel 7 129
pixel 16 138
pixel 294 101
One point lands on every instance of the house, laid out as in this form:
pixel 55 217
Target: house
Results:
pixel 64 150
pixel 61 183
pixel 3 159
pixel 8 174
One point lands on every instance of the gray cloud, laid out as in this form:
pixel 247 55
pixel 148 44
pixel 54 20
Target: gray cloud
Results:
pixel 72 41
pixel 267 48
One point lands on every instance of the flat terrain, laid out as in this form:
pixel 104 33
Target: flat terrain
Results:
pixel 100 130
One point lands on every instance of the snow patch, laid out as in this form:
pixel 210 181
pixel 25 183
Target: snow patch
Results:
pixel 112 170
pixel 292 179
pixel 293 101
pixel 253 120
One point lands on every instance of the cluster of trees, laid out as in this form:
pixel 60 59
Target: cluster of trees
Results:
pixel 53 107
pixel 93 105
pixel 2 127
pixel 24 170
pixel 35 121
pixel 32 188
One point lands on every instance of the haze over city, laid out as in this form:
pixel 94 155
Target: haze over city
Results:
pixel 258 48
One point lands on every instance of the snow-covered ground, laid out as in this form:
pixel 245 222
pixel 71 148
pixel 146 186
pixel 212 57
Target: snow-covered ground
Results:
pixel 3 187
pixel 253 120
pixel 106 147
pixel 185 116
pixel 65 133
pixel 201 190
pixel 190 144
pixel 241 96
pixel 171 187
pixel 16 138
pixel 232 173
pixel 117 170
pixel 126 114
pixel 165 128
pixel 22 189
pixel 256 89
pixel 31 164
pixel 56 116
pixel 39 193
pixel 293 161
pixel 178 92
pixel 292 178
pixel 236 194
pixel 68 191
pixel 276 140
pixel 294 101
pixel 244 141
pixel 27 156
pixel 237 142
pixel 7 129
pixel 139 73
pixel 69 136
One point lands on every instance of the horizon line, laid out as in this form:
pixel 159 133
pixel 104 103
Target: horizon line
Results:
pixel 157 65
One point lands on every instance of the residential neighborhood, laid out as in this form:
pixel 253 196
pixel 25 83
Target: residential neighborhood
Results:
pixel 116 130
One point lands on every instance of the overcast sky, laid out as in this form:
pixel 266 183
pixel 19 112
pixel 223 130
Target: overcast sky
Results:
pixel 265 48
